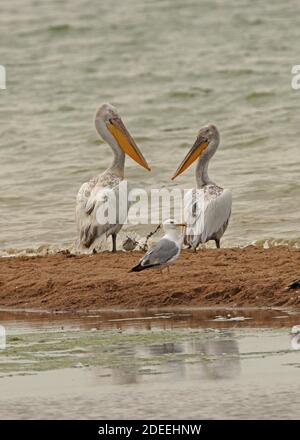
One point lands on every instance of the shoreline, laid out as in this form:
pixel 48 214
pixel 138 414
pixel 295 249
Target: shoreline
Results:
pixel 237 278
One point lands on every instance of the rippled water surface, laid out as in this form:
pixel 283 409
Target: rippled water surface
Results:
pixel 159 364
pixel 169 67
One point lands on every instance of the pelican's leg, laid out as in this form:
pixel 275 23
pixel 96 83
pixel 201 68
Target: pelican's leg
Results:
pixel 168 270
pixel 217 240
pixel 114 242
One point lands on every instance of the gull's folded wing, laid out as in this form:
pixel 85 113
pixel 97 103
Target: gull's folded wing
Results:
pixel 163 252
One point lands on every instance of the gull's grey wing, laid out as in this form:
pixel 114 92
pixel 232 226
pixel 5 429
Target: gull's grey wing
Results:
pixel 163 252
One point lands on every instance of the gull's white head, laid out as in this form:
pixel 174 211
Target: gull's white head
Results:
pixel 172 225
pixel 206 144
pixel 110 126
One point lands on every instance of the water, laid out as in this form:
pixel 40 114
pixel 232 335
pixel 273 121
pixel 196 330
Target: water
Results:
pixel 159 364
pixel 169 67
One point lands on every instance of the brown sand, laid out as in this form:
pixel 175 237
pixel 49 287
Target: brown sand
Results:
pixel 227 277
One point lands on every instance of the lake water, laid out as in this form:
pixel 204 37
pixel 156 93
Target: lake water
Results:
pixel 156 364
pixel 170 66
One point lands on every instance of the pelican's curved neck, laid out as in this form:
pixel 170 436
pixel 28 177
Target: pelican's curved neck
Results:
pixel 202 177
pixel 118 163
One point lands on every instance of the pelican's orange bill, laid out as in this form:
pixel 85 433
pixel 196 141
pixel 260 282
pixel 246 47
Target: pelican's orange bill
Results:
pixel 125 141
pixel 197 149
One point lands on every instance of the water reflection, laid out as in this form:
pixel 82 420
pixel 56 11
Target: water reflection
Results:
pixel 125 375
pixel 147 320
pixel 224 359
pixel 204 369
pixel 189 360
pixel 142 346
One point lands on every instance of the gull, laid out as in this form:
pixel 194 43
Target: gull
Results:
pixel 166 251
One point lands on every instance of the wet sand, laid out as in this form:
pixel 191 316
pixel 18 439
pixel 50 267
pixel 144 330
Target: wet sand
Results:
pixel 249 277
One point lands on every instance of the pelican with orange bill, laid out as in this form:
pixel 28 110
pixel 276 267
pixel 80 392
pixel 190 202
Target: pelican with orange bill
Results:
pixel 207 207
pixel 102 191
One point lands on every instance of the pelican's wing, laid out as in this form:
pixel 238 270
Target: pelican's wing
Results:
pixel 206 213
pixel 98 211
pixel 82 201
pixel 163 252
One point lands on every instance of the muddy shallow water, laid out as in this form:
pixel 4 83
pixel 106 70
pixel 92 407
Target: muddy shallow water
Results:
pixel 159 364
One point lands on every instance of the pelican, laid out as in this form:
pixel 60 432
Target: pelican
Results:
pixel 103 189
pixel 207 208
pixel 166 251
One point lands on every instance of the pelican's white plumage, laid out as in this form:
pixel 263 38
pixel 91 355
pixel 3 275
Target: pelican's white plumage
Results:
pixel 166 251
pixel 101 192
pixel 207 208
pixel 207 212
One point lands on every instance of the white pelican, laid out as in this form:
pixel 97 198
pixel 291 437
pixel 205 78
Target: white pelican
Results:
pixel 95 193
pixel 207 209
pixel 166 251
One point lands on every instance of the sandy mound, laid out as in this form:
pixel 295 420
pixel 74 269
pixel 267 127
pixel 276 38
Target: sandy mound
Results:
pixel 230 277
